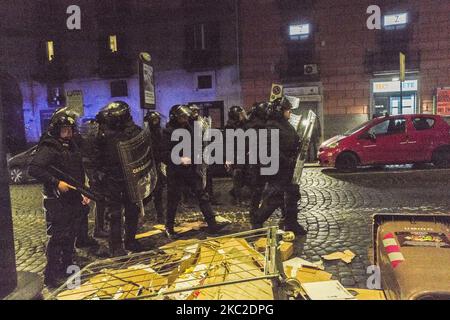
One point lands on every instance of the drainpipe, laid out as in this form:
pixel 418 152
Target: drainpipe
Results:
pixel 13 285
pixel 8 274
pixel 238 56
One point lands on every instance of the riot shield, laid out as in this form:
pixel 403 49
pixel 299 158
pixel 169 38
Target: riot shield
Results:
pixel 305 131
pixel 202 169
pixel 295 121
pixel 138 165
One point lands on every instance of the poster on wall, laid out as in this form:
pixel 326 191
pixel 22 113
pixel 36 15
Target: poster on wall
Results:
pixel 74 101
pixel 443 102
pixel 146 82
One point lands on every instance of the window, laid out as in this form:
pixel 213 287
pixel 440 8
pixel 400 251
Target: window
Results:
pixel 200 37
pixel 203 36
pixel 395 21
pixel 388 127
pixel 50 51
pixel 119 88
pixel 204 82
pixel 113 43
pixel 423 123
pixel 299 31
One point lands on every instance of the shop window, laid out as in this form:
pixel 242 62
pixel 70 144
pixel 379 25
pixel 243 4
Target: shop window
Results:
pixel 422 123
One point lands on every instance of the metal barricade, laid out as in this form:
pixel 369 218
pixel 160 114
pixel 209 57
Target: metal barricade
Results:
pixel 221 268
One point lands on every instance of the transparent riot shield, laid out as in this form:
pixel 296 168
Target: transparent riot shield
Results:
pixel 305 130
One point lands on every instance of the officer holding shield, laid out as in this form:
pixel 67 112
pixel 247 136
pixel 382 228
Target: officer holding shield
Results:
pixel 280 191
pixel 116 125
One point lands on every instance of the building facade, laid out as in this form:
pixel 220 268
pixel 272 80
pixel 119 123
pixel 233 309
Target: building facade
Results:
pixel 223 53
pixel 193 45
pixel 324 52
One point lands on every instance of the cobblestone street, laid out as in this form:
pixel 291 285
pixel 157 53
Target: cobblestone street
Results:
pixel 336 208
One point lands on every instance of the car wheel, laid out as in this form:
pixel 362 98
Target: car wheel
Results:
pixel 347 162
pixel 441 159
pixel 16 175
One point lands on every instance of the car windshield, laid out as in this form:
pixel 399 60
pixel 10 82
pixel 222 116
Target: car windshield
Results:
pixel 352 131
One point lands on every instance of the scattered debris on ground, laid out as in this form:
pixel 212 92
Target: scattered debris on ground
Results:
pixel 225 268
pixel 346 256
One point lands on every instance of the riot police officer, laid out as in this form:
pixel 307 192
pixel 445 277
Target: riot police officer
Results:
pixel 195 112
pixel 63 204
pixel 280 191
pixel 153 120
pixel 183 174
pixel 195 116
pixel 89 133
pixel 116 125
pixel 257 121
pixel 237 118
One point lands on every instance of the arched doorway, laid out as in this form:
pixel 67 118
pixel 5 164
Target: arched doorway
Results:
pixel 13 107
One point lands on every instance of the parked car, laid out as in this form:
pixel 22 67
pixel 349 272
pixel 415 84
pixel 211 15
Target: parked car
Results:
pixel 18 167
pixel 402 139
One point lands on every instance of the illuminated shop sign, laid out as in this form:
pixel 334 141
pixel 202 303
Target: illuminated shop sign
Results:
pixel 395 19
pixel 394 86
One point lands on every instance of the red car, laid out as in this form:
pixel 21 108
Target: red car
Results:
pixel 401 139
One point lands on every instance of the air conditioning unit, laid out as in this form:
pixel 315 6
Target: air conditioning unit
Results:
pixel 310 69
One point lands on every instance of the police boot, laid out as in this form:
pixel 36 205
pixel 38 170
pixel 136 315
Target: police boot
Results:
pixel 85 243
pixel 171 234
pixel 51 282
pixel 101 234
pixel 117 251
pixel 296 228
pixel 214 227
pixel 133 246
pixel 160 218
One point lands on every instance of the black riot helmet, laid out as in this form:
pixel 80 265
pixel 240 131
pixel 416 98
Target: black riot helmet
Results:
pixel 259 110
pixel 61 118
pixel 235 112
pixel 114 115
pixel 153 118
pixel 278 107
pixel 195 112
pixel 178 111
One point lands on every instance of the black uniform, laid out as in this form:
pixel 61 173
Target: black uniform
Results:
pixel 62 210
pixel 257 181
pixel 280 191
pixel 88 147
pixel 238 171
pixel 179 177
pixel 114 185
pixel 157 195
